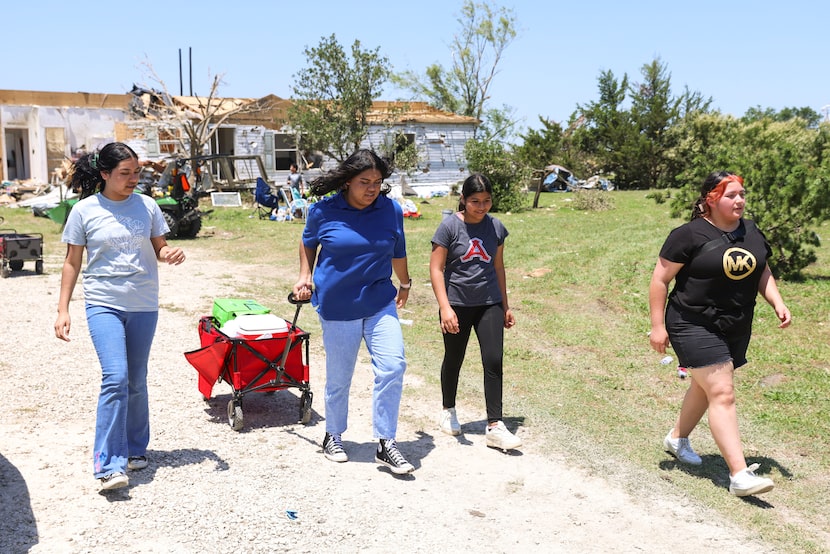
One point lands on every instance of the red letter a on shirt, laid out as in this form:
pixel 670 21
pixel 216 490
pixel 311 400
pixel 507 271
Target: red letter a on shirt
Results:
pixel 476 250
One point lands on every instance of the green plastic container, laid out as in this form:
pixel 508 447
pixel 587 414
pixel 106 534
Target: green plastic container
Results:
pixel 225 309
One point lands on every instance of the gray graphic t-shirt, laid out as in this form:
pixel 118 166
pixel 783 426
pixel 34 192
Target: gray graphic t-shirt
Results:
pixel 121 270
pixel 469 273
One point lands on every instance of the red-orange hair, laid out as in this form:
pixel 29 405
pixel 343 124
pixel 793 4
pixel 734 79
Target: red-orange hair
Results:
pixel 713 188
pixel 717 192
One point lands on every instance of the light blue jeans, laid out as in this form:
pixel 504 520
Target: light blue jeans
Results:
pixel 122 428
pixel 384 340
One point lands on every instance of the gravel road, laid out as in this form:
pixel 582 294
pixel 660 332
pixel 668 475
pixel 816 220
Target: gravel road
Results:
pixel 269 488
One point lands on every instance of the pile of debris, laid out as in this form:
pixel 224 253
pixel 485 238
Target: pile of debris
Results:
pixel 41 197
pixel 30 192
pixel 14 192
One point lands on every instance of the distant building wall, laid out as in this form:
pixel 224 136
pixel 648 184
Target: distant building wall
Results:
pixel 51 133
pixel 440 149
pixel 45 128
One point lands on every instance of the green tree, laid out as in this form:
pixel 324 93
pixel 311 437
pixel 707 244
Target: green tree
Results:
pixel 333 94
pixel 543 146
pixel 653 111
pixel 485 33
pixel 807 114
pixel 550 145
pixel 502 167
pixel 635 144
pixel 605 132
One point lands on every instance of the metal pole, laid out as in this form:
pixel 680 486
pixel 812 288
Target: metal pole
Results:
pixel 190 64
pixel 181 84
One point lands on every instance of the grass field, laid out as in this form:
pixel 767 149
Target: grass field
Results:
pixel 578 366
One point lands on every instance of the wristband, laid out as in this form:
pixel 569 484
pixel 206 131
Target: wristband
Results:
pixel 406 286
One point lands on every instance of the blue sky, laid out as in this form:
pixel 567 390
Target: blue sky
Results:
pixel 741 53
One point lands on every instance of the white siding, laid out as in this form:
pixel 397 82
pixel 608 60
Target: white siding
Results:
pixel 83 127
pixel 440 150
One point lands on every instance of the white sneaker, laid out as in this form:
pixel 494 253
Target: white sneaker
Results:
pixel 449 422
pixel 746 483
pixel 499 437
pixel 681 449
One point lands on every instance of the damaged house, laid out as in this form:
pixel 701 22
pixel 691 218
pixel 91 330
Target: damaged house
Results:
pixel 40 131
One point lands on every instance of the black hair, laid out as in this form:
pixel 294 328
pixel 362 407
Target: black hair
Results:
pixel 362 160
pixel 85 175
pixel 699 209
pixel 473 184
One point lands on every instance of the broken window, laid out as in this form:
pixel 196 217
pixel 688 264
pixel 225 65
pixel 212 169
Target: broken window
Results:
pixel 285 151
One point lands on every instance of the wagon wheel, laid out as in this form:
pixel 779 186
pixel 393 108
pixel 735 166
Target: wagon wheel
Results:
pixel 16 265
pixel 235 419
pixel 39 267
pixel 305 407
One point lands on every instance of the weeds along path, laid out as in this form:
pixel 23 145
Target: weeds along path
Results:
pixel 269 488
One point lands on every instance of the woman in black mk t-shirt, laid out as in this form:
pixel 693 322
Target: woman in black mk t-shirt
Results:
pixel 718 262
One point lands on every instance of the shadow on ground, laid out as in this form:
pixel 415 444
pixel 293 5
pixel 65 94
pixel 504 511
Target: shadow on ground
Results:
pixel 18 528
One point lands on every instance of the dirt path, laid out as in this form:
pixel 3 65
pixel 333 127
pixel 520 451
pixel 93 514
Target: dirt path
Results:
pixel 209 488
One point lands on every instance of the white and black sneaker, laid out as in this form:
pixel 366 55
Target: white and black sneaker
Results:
pixel 114 481
pixel 389 455
pixel 333 448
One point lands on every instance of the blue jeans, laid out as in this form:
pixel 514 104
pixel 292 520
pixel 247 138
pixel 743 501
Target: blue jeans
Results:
pixel 122 428
pixel 384 340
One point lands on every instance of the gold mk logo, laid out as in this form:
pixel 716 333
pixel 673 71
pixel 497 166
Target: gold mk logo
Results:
pixel 738 263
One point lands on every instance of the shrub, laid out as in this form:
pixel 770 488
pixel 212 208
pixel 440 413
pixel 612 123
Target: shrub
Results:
pixel 592 200
pixel 501 166
pixel 657 196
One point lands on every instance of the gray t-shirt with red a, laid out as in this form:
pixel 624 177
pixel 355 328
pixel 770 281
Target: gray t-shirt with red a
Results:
pixel 469 273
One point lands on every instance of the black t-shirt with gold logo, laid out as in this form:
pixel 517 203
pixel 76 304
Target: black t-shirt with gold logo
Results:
pixel 718 281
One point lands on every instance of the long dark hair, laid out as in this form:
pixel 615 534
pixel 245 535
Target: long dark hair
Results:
pixel 355 164
pixel 476 182
pixel 85 175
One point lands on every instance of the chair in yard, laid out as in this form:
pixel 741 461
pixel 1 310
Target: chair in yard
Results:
pixel 297 205
pixel 266 200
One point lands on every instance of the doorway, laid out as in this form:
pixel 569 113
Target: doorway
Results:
pixel 17 159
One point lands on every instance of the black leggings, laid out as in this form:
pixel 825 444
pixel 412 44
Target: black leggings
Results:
pixel 488 321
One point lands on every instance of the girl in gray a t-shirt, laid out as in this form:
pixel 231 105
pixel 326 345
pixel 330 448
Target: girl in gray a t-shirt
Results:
pixel 466 268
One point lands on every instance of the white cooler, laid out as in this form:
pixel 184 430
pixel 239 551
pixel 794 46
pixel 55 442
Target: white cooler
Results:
pixel 255 327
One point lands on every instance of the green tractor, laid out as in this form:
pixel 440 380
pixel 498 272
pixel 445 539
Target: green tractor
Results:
pixel 180 203
pixel 183 182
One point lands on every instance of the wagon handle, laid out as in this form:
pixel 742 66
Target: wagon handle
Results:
pixel 299 303
pixel 294 300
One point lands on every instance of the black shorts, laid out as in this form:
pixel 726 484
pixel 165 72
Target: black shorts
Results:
pixel 698 344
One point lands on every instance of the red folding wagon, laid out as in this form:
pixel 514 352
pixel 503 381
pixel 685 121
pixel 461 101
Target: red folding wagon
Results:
pixel 264 362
